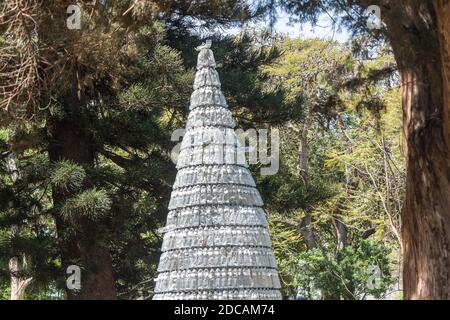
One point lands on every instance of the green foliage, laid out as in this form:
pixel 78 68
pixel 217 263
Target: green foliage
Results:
pixel 136 87
pixel 353 188
pixel 5 290
pixel 291 193
pixel 91 203
pixel 350 273
pixel 67 175
pixel 239 59
pixel 135 73
pixel 287 246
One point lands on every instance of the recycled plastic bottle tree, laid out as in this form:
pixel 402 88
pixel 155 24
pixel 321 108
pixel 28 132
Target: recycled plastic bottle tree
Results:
pixel 216 243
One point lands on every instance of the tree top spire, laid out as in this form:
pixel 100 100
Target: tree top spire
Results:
pixel 205 56
pixel 205 45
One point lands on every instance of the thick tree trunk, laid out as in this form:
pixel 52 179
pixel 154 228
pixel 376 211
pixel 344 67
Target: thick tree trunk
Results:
pixel 426 216
pixel 18 283
pixel 419 34
pixel 442 8
pixel 81 242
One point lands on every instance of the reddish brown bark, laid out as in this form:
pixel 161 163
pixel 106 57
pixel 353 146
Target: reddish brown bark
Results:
pixel 426 216
pixel 419 33
pixel 413 29
pixel 442 8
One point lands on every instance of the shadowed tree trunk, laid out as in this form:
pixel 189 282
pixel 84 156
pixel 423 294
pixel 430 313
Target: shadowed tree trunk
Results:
pixel 81 241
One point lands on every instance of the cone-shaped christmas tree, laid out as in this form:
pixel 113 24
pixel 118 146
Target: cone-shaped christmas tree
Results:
pixel 216 243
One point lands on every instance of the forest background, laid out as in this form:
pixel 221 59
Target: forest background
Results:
pixel 86 118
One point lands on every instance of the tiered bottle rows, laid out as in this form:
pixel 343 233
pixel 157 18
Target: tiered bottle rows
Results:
pixel 216 244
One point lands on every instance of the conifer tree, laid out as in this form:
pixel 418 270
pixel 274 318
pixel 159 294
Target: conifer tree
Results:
pixel 90 128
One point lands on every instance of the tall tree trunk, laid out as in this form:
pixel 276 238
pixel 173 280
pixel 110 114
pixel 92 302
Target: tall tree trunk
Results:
pixel 442 8
pixel 303 151
pixel 19 283
pixel 426 215
pixel 303 170
pixel 341 233
pixel 419 34
pixel 80 242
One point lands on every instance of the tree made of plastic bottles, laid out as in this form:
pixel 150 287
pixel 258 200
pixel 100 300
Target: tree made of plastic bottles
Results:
pixel 216 243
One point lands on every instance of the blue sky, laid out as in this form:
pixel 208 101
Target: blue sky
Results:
pixel 323 29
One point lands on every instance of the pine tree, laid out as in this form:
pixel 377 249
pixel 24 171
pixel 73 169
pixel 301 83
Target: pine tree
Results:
pixel 90 128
